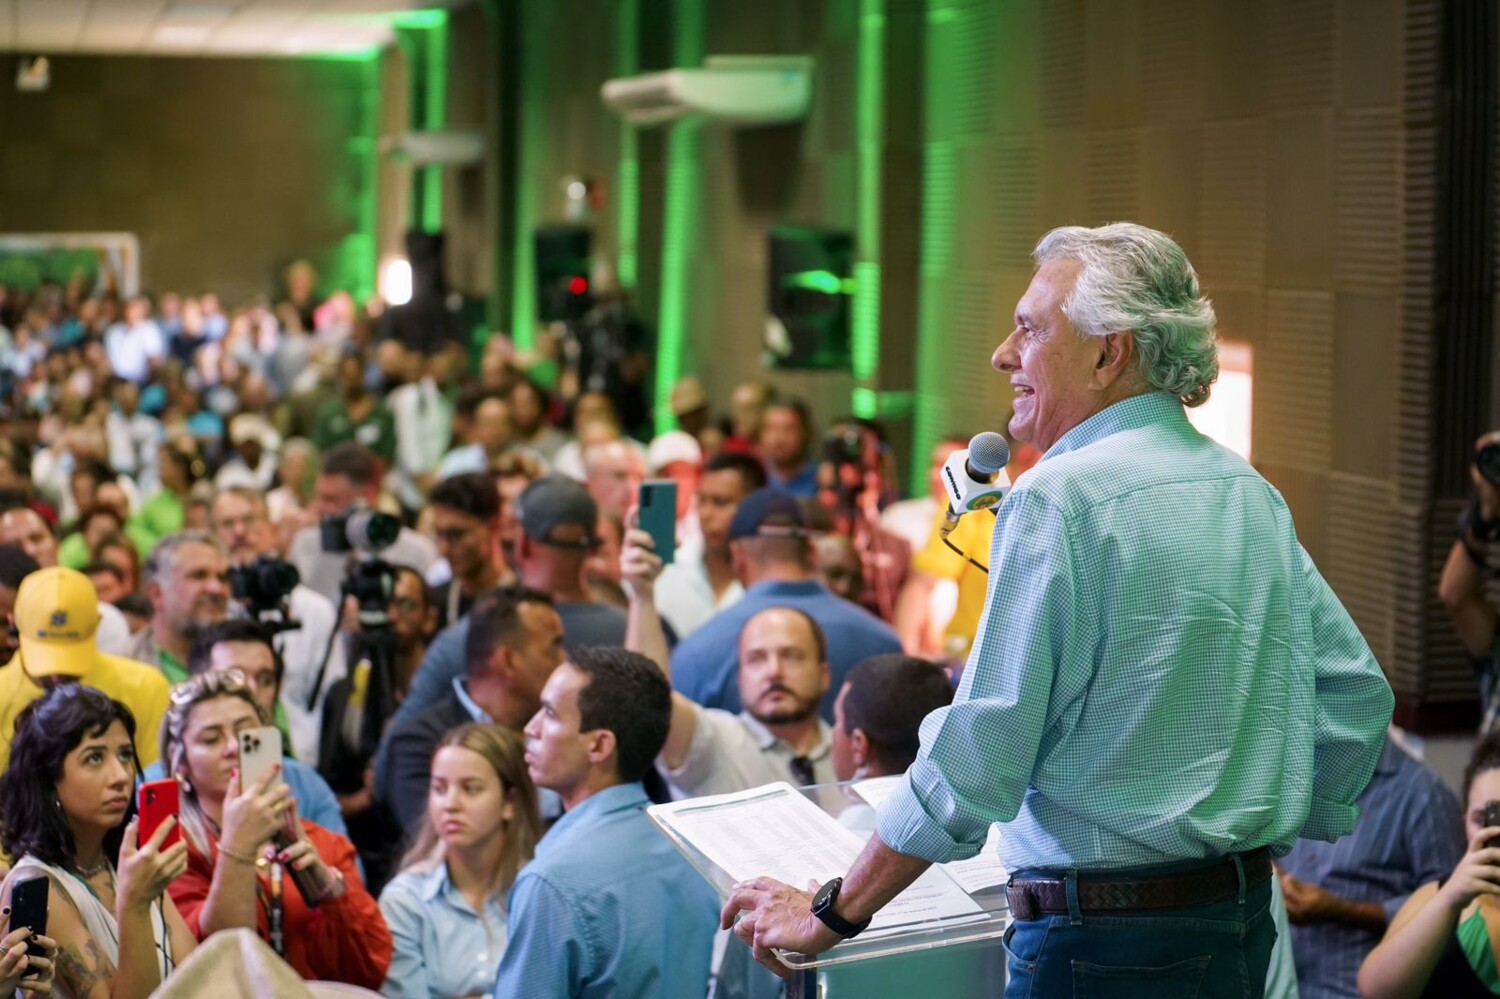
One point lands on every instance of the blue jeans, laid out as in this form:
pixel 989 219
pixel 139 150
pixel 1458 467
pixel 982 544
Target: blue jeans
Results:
pixel 1202 952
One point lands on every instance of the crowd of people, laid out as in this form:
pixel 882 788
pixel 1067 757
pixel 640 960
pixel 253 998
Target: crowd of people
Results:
pixel 473 663
pixel 419 559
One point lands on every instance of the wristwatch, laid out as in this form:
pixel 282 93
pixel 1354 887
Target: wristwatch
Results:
pixel 822 907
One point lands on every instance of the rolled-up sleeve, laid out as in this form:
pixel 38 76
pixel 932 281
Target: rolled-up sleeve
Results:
pixel 977 755
pixel 1353 707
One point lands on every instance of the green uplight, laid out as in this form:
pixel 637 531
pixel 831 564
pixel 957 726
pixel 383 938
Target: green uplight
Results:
pixel 826 282
pixel 945 26
pixel 628 183
pixel 864 340
pixel 433 117
pixel 682 197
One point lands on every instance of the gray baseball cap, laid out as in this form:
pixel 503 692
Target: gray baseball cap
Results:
pixel 557 511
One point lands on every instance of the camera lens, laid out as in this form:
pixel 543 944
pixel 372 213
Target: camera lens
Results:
pixel 1487 460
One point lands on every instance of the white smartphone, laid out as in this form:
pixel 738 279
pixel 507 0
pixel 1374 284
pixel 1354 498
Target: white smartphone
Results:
pixel 260 750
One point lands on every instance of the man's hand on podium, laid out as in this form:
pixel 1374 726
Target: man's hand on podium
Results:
pixel 767 914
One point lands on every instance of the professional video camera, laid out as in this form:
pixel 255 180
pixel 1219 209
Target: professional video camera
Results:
pixel 358 529
pixel 263 585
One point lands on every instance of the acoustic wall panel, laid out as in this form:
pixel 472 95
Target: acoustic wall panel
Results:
pixel 1170 39
pixel 1299 199
pixel 1062 70
pixel 1017 219
pixel 1294 367
pixel 1357 558
pixel 1365 368
pixel 1114 191
pixel 1299 53
pixel 1232 203
pixel 1368 219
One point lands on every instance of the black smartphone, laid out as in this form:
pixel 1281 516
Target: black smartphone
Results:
pixel 28 905
pixel 1492 817
pixel 657 506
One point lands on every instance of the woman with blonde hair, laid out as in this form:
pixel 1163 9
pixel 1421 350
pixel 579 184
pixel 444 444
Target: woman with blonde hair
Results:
pixel 446 909
pixel 247 846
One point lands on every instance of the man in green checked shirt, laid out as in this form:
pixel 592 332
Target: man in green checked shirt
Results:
pixel 1163 692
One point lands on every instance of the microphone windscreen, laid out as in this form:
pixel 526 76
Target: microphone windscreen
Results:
pixel 988 452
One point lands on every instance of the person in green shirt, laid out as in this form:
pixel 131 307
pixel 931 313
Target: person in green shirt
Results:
pixel 178 467
pixel 357 414
pixel 187 581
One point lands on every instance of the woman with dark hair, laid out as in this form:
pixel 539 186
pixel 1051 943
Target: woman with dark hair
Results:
pixel 1442 942
pixel 66 791
pixel 241 860
pixel 446 908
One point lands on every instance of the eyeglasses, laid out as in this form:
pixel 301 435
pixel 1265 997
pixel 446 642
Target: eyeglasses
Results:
pixel 802 771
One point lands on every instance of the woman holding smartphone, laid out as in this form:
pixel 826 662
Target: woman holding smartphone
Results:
pixel 446 908
pixel 247 851
pixel 1441 942
pixel 66 791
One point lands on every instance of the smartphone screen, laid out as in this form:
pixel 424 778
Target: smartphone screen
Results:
pixel 28 905
pixel 657 513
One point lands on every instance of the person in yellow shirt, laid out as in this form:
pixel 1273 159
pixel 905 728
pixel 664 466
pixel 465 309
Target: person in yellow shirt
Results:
pixel 918 614
pixel 56 615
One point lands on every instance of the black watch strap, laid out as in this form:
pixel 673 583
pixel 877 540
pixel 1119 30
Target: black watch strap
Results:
pixel 823 907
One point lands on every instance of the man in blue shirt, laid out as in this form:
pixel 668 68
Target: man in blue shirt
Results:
pixel 785 440
pixel 768 544
pixel 608 907
pixel 1341 896
pixel 1162 691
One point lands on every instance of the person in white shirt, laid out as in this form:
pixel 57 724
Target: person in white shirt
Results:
pixel 313 657
pixel 254 463
pixel 136 345
pixel 699 584
pixel 424 420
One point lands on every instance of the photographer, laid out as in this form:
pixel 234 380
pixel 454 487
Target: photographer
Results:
pixel 1468 570
pixel 259 581
pixel 1439 943
pixel 348 481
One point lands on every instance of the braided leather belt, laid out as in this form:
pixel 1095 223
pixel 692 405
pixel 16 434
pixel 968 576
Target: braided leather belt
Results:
pixel 1032 898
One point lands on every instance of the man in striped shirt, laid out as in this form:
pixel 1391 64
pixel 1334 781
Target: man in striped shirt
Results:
pixel 1163 690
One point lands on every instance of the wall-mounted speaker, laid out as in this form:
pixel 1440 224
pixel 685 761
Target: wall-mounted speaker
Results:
pixel 810 298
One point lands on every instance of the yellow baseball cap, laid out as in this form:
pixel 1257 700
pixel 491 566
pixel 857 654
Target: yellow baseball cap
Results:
pixel 57 614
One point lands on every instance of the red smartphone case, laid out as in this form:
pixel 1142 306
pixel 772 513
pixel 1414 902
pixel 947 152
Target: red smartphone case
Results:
pixel 156 800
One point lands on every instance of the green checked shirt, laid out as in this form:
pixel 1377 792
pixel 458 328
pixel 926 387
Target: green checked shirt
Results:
pixel 1160 673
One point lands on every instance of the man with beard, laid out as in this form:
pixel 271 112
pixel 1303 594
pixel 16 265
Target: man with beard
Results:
pixel 187 581
pixel 778 736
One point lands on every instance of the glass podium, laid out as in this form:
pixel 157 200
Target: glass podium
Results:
pixel 956 951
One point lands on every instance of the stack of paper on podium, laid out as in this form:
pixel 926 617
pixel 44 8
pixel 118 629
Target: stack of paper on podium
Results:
pixel 775 831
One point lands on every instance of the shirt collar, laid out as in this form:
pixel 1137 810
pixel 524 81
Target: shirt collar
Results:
pixel 619 798
pixel 434 883
pixel 765 738
pixel 787 588
pixel 469 705
pixel 1127 414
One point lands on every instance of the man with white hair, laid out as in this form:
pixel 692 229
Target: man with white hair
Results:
pixel 1163 690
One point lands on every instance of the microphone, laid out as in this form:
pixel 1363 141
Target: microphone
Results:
pixel 975 478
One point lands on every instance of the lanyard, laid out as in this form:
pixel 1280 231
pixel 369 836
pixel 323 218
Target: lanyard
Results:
pixel 275 910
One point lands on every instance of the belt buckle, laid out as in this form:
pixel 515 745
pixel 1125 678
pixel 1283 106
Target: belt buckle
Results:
pixel 1023 903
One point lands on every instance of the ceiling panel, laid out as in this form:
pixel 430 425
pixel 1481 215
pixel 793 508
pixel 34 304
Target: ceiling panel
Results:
pixel 197 27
